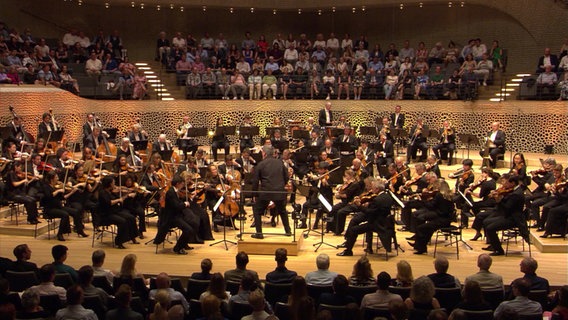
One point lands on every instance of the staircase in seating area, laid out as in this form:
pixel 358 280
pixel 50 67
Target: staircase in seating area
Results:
pixel 156 85
pixel 504 87
pixel 168 82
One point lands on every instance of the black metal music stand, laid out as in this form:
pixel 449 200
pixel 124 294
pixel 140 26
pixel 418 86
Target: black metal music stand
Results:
pixel 248 132
pixel 141 145
pixel 335 132
pixel 326 208
pixel 369 131
pixel 111 133
pixel 314 151
pixel 166 155
pixel 398 135
pixel 281 145
pixel 270 131
pixel 224 240
pixel 468 139
pixel 55 136
pixel 301 134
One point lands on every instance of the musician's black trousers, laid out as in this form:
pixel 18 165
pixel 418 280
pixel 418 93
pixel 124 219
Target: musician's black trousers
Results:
pixel 260 207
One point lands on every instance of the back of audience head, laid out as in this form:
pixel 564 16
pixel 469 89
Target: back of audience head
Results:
pixel 46 273
pixel 85 275
pixel 340 285
pixel 472 292
pixel 176 312
pixel 206 265
pixel 322 261
pixel 123 296
pixel 383 280
pixel 7 311
pixel 21 252
pixel 404 272
pixel 521 287
pixel 162 302
pixel 441 264
pixel 362 269
pixel 211 307
pixel 256 300
pixel 398 310
pixel 163 281
pixel 128 266
pixel 437 314
pixel 248 282
pixel 98 257
pixel 422 290
pixel 58 252
pixel 74 295
pixel 306 309
pixel 484 261
pixel 217 286
pixel 30 299
pixel 242 260
pixel 281 256
pixel 299 289
pixel 529 265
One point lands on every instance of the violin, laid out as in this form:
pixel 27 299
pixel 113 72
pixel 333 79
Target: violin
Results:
pixel 539 172
pixel 475 185
pixel 499 193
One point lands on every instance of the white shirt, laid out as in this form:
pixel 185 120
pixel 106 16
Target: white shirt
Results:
pixel 493 136
pixel 327 116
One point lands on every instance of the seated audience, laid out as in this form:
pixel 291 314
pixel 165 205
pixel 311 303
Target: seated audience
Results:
pixel 74 309
pixel 339 297
pixel 98 259
pixel 211 308
pixel 46 287
pixel 241 261
pixel 404 276
pixel 281 274
pixel 546 80
pixel 473 298
pixel 128 268
pixel 257 302
pixel 521 303
pixel 59 254
pixel 322 276
pixel 382 298
pixel 422 295
pixel 485 278
pixel 31 308
pixel 217 288
pixel 163 282
pixel 205 274
pixel 362 273
pixel 161 307
pixel 22 253
pixel 122 297
pixel 85 281
pixel 547 59
pixel 441 278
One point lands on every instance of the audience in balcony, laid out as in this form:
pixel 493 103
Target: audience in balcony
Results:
pixel 547 59
pixel 546 80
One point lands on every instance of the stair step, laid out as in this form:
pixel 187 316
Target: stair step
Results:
pixel 9 227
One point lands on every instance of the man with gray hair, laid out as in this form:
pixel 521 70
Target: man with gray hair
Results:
pixel 485 278
pixel 98 259
pixel 372 218
pixel 441 278
pixel 270 178
pixel 322 276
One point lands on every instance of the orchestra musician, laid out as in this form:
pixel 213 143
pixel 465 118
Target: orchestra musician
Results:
pixel 190 166
pixel 124 148
pixel 82 200
pixel 277 141
pixel 394 180
pixel 53 196
pixel 495 144
pixel 508 214
pixel 397 118
pixel 417 141
pixel 315 140
pixel 342 123
pixel 219 140
pixel 549 200
pixel 348 139
pixel 329 149
pixel 432 165
pixel 17 132
pixel 161 144
pixel 213 179
pixel 486 184
pixel 230 167
pixel 437 213
pixel 10 151
pixel 246 161
pixel 135 205
pixel 542 178
pixel 35 169
pixel 137 134
pixel 270 175
pixel 372 218
pixel 519 167
pixel 173 216
pixel 384 152
pixel 402 168
pixel 89 125
pixel 195 215
pixel 246 140
pixel 385 128
pixel 94 139
pixel 350 188
pixel 200 160
pixel 61 162
pixel 368 154
pixel 153 183
pixel 464 177
pixel 325 118
pixel 556 209
pixel 422 180
pixel 319 185
pixel 301 160
pixel 447 142
pixel 47 125
pixel 16 187
pixel 186 143
pixel 311 126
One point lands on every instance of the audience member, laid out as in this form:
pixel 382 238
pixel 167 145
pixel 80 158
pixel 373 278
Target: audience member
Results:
pixel 521 303
pixel 281 274
pixel 473 297
pixel 485 278
pixel 248 285
pixel 547 59
pixel 546 80
pixel 306 309
pixel 339 297
pixel 205 274
pixel 404 276
pixel 74 309
pixel 217 287
pixel 93 66
pixel 59 254
pixel 161 307
pixel 98 259
pixel 322 276
pixel 257 302
pixel 398 310
pixel 241 261
pixel 422 295
pixel 163 282
pixel 441 278
pixel 528 267
pixel 298 291
pixel 122 297
pixel 31 308
pixel 562 307
pixel 211 308
pixel 85 281
pixel 382 298
pixel 128 268
pixel 46 287
pixel 22 253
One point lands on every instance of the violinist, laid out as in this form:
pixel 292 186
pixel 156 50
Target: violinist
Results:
pixel 351 187
pixel 212 194
pixel 394 179
pixel 555 210
pixel 373 218
pixel 422 180
pixel 10 151
pixel 349 141
pixel 495 144
pixel 153 183
pixel 219 140
pixel 136 204
pixel 417 141
pixel 384 153
pixel 16 187
pixel 368 167
pixel 111 211
pixel 120 166
pixel 437 213
pixel 432 165
pixel 186 142
pixel 549 200
pixel 89 161
pixel 368 154
pixel 87 185
pixel 447 142
pixel 542 178
pixel 507 214
pixel 200 159
pixel 53 195
pixel 61 162
pixel 360 172
pixel 324 157
pixel 319 182
pixel 486 184
pixel 35 171
pixel 464 177
pixel 190 166
pixel 47 125
pixel 196 213
pixel 329 149
pixel 301 160
pixel 315 140
pixel 246 140
pixel 402 168
pixel 519 167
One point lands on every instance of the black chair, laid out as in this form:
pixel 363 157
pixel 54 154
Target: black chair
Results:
pixel 536 316
pixel 99 231
pixel 139 306
pixel 282 310
pixel 102 283
pixel 372 313
pixel 63 280
pixel 315 291
pixel 275 292
pixel 20 281
pixel 448 297
pixel 175 284
pixel 454 234
pixel 95 303
pixel 14 298
pixel 358 292
pixel 493 296
pixel 540 296
pixel 239 310
pixel 513 234
pixel 233 287
pixel 138 286
pixel 195 307
pixel 479 315
pixel 403 292
pixel 51 303
pixel 196 287
pixel 337 312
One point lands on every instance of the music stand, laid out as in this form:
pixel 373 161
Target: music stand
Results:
pixel 196 132
pixel 226 130
pixel 248 131
pixel 344 147
pixel 55 136
pixel 468 139
pixel 326 207
pixel 141 145
pixel 368 131
pixel 336 132
pixel 281 145
pixel 166 155
pixel 314 151
pixel 305 191
pixel 399 135
pixel 111 133
pixel 224 240
pixel 301 134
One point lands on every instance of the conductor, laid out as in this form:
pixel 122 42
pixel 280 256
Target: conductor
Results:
pixel 270 177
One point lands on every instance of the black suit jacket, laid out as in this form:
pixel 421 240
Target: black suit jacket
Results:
pixel 388 149
pixel 89 141
pixel 132 136
pixel 451 137
pixel 87 129
pixel 400 121
pixel 270 175
pixel 156 147
pixel 334 153
pixel 321 118
pixel 318 143
pixel 42 130
pixel 420 138
pixel 553 61
pixel 174 207
pixel 379 208
pixel 499 139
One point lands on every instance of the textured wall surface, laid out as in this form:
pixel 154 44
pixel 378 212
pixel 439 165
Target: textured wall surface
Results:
pixel 529 125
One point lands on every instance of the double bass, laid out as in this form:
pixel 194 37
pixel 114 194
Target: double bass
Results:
pixel 26 138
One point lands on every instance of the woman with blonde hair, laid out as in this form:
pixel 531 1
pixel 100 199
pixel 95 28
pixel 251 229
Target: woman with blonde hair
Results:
pixel 404 276
pixel 422 295
pixel 128 268
pixel 162 305
pixel 362 273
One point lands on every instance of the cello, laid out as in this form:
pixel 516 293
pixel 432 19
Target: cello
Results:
pixel 108 149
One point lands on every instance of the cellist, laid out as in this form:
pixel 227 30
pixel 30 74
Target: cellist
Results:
pixel 350 188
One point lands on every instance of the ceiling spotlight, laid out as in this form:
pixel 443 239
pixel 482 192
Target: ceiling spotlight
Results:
pixel 181 8
pixel 421 4
pixel 449 4
pixel 231 10
pixel 251 10
pixel 333 9
pixel 142 6
pixel 273 11
pixel 171 6
pixel 204 8
pixel 462 4
pixel 132 4
pixel 107 5
pixel 363 8
pixel 158 7
pixel 401 6
pixel 353 9
pixel 80 2
pixel 319 12
pixel 299 11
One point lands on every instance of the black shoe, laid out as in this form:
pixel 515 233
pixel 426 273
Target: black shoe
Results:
pixel 273 222
pixel 135 242
pixel 343 245
pixel 411 238
pixel 215 228
pixel 141 236
pixel 420 252
pixel 120 246
pixel 36 221
pixel 60 237
pixel 288 234
pixel 497 253
pixel 82 234
pixel 303 226
pixel 345 253
pixel 477 236
pixel 489 248
pixel 545 235
pixel 180 251
pixel 187 247
pixel 540 229
pixel 257 236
